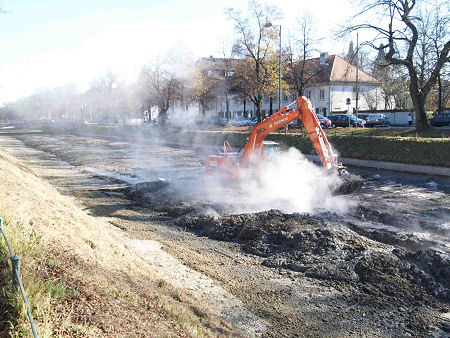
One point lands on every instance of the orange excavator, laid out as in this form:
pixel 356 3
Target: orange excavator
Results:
pixel 228 163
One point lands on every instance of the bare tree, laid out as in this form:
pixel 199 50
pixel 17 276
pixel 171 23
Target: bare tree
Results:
pixel 299 72
pixel 255 40
pixel 402 32
pixel 160 81
pixel 436 35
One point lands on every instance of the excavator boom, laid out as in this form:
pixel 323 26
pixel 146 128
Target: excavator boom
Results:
pixel 305 112
pixel 227 163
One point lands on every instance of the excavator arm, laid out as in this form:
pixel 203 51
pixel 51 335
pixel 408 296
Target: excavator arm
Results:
pixel 305 112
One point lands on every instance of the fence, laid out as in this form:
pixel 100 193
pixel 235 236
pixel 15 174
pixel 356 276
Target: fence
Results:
pixel 17 281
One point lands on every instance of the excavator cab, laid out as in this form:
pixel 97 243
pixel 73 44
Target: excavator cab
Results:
pixel 225 163
pixel 269 148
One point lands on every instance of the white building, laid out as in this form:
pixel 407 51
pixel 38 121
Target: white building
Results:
pixel 329 89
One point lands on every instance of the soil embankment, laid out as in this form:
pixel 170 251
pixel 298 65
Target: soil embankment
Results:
pixel 82 276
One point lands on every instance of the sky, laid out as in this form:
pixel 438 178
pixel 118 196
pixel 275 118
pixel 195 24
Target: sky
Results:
pixel 48 43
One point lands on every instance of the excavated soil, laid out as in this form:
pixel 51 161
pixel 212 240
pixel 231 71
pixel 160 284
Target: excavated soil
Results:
pixel 324 247
pixel 382 269
pixel 314 245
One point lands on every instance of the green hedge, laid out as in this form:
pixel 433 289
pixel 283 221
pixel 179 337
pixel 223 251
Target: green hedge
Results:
pixel 411 150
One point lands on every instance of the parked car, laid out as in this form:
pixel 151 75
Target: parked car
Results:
pixel 442 119
pixel 377 120
pixel 253 121
pixel 210 121
pixel 324 122
pixel 362 116
pixel 346 120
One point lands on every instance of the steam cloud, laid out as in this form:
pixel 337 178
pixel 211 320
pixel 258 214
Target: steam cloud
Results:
pixel 287 181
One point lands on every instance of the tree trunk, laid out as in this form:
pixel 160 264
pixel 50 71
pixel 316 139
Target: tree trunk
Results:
pixel 259 107
pixel 418 100
pixel 419 109
pixel 271 106
pixel 245 109
pixel 227 103
pixel 439 108
pixel 163 117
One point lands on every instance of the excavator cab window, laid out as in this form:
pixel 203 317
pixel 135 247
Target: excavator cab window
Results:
pixel 270 147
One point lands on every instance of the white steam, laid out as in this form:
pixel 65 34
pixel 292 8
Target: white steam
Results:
pixel 286 181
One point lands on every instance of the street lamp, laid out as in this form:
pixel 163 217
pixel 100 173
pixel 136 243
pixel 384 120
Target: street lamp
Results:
pixel 269 24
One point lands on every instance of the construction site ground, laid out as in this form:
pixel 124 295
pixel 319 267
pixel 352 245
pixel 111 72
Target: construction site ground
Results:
pixel 381 269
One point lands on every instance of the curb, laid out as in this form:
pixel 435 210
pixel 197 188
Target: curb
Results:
pixel 412 168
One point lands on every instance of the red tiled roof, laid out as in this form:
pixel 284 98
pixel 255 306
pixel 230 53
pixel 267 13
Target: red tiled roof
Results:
pixel 335 69
pixel 344 71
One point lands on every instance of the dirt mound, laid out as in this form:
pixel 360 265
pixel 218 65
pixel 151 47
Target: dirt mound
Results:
pixel 314 245
pixel 305 243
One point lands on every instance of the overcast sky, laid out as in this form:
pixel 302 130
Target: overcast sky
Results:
pixel 46 43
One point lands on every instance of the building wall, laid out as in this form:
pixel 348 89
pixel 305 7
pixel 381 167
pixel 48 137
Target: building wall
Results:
pixel 324 99
pixel 369 97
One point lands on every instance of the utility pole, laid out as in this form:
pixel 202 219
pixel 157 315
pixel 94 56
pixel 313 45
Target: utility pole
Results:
pixel 357 85
pixel 279 77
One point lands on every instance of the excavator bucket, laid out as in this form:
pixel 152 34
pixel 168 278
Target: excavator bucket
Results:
pixel 350 183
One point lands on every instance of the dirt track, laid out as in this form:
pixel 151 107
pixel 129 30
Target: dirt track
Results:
pixel 380 270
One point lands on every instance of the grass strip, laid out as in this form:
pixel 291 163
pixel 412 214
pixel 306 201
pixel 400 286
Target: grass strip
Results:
pixel 411 150
pixel 43 288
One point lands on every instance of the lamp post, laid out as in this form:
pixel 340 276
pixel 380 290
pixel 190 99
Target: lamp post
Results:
pixel 269 24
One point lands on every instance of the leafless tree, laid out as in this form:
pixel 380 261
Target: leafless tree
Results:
pixel 161 84
pixel 299 72
pixel 403 31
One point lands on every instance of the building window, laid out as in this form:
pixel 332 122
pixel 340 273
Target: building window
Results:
pixel 285 98
pixel 322 95
pixel 308 94
pixel 324 111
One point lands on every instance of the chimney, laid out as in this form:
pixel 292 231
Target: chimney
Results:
pixel 323 58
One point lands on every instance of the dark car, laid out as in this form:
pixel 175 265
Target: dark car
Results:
pixel 324 122
pixel 362 116
pixel 377 120
pixel 346 120
pixel 440 120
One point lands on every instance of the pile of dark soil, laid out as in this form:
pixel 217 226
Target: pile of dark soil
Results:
pixel 307 244
pixel 318 246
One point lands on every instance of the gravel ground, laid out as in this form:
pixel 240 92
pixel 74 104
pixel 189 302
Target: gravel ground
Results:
pixel 381 269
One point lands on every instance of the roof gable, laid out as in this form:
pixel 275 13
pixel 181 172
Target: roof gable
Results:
pixel 334 69
pixel 344 71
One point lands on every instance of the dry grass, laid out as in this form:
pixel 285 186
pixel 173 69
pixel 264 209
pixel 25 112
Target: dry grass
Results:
pixel 79 274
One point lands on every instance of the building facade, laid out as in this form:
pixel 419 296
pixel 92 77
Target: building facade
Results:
pixel 331 90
